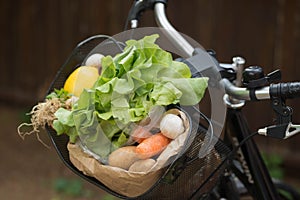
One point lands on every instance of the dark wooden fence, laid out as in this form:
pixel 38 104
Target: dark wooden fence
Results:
pixel 37 36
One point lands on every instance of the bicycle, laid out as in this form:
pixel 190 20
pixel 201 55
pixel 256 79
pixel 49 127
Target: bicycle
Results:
pixel 240 170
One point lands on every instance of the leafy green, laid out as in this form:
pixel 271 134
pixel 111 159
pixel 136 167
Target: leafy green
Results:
pixel 130 84
pixel 60 94
pixel 65 123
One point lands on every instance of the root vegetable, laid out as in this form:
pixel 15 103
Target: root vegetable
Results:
pixel 152 146
pixel 95 61
pixel 171 126
pixel 139 134
pixel 123 157
pixel 142 165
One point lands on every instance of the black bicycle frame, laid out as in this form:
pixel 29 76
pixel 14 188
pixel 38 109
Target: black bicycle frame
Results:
pixel 258 177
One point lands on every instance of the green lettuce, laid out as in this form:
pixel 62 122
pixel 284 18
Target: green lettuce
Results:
pixel 130 84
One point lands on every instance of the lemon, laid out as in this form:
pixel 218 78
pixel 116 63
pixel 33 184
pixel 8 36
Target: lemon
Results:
pixel 81 78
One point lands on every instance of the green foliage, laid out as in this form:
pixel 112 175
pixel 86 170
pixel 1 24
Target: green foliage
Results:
pixel 70 187
pixel 60 94
pixel 108 197
pixel 286 194
pixel 274 165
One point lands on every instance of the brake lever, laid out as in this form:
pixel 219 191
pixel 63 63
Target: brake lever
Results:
pixel 284 127
pixel 283 131
pixel 293 129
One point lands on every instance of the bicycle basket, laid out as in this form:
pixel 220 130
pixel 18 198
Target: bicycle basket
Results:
pixel 186 177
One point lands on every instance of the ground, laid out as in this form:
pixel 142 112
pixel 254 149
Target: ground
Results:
pixel 30 171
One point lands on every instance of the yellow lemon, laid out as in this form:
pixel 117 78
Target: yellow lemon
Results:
pixel 81 78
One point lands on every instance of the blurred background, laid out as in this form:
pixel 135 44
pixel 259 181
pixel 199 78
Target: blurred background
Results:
pixel 37 37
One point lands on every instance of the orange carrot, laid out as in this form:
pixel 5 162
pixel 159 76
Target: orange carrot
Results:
pixel 139 134
pixel 152 146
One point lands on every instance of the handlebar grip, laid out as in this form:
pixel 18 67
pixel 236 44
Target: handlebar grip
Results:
pixel 285 90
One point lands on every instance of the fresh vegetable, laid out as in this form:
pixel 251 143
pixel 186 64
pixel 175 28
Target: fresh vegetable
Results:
pixel 123 157
pixel 95 61
pixel 152 146
pixel 142 165
pixel 43 113
pixel 61 94
pixel 171 126
pixel 130 85
pixel 140 133
pixel 83 77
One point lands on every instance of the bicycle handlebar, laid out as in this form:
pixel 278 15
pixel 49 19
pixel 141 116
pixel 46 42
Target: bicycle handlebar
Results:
pixel 276 92
pixel 138 7
pixel 285 90
pixel 243 93
pixel 281 90
pixel 170 31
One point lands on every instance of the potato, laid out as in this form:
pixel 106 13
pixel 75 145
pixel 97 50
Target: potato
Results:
pixel 142 165
pixel 123 157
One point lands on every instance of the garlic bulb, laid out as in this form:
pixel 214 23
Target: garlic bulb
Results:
pixel 171 126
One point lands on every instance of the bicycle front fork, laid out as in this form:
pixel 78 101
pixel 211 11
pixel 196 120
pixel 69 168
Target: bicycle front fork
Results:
pixel 254 169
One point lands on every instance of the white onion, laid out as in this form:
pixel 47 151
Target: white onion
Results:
pixel 171 126
pixel 94 60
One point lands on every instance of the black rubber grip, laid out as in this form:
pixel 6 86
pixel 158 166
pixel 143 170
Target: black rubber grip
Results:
pixel 285 90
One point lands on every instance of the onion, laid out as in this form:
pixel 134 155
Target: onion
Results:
pixel 95 61
pixel 171 126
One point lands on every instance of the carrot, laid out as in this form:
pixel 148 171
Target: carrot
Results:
pixel 152 146
pixel 139 134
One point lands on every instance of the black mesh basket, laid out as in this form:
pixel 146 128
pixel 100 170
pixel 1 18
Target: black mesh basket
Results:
pixel 188 177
